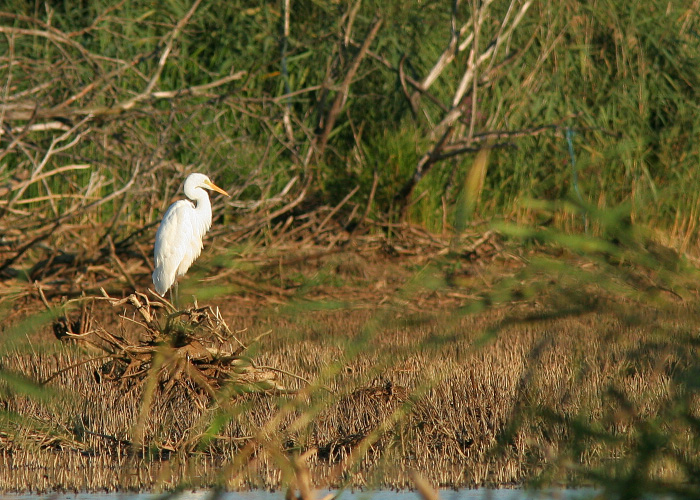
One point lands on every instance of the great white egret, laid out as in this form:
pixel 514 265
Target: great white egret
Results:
pixel 179 237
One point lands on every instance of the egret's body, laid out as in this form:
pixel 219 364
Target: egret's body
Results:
pixel 179 237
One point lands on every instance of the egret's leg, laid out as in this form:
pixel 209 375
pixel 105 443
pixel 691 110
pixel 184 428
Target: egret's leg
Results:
pixel 174 295
pixel 176 298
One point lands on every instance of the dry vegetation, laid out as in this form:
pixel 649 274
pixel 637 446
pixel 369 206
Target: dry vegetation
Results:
pixel 361 384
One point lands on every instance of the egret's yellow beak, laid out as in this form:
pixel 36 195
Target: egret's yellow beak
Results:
pixel 216 188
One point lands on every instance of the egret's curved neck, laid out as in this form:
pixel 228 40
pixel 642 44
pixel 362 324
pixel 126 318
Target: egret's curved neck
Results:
pixel 199 196
pixel 202 206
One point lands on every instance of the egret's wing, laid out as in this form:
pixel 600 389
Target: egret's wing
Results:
pixel 173 244
pixel 193 245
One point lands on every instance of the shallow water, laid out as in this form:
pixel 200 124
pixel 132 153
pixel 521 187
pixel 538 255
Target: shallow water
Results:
pixel 474 494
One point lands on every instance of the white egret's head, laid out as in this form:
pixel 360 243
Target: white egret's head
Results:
pixel 195 181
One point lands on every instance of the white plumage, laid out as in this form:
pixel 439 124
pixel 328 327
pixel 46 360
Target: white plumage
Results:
pixel 179 237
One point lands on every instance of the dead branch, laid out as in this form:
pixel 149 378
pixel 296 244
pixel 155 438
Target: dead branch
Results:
pixel 46 229
pixel 193 347
pixel 30 110
pixel 442 133
pixel 342 94
pixel 454 47
pixel 414 83
pixel 335 210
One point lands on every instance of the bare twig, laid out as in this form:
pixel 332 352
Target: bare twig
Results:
pixel 454 47
pixel 412 81
pixel 471 63
pixel 198 89
pixel 286 118
pixel 333 212
pixel 73 366
pixel 342 94
pixel 55 147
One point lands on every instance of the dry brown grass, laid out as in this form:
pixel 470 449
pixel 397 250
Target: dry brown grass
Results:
pixel 394 380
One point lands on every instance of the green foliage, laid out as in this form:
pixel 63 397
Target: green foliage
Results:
pixel 622 76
